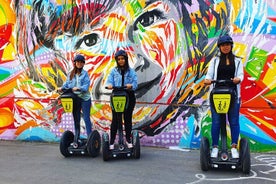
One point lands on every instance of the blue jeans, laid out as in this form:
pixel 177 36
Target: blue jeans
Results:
pixel 84 106
pixel 233 119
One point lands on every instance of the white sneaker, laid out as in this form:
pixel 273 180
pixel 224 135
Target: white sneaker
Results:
pixel 111 146
pixel 214 153
pixel 129 145
pixel 235 153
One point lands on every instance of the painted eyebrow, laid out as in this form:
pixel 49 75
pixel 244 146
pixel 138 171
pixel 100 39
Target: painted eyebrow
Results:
pixel 150 2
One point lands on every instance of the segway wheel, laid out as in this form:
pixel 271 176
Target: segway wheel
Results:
pixel 94 143
pixel 105 146
pixel 66 139
pixel 204 154
pixel 136 144
pixel 245 159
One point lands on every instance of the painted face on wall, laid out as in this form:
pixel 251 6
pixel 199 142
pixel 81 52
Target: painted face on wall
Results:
pixel 151 33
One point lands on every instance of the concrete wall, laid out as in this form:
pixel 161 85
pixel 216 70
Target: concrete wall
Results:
pixel 169 43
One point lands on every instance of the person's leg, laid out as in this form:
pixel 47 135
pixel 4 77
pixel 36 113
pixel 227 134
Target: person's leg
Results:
pixel 86 107
pixel 128 116
pixel 114 126
pixel 128 124
pixel 215 129
pixel 233 118
pixel 76 116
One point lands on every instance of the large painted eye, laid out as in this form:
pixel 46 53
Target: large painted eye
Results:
pixel 149 18
pixel 88 41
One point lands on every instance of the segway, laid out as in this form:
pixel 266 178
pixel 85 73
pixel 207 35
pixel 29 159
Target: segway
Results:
pixel 71 144
pixel 119 102
pixel 220 98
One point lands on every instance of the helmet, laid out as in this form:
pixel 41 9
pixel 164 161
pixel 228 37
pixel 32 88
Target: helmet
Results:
pixel 224 39
pixel 79 57
pixel 120 53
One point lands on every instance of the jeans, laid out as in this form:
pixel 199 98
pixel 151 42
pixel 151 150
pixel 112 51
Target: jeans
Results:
pixel 233 119
pixel 84 106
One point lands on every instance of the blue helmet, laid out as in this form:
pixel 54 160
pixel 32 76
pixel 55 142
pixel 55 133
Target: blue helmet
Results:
pixel 79 57
pixel 224 39
pixel 120 53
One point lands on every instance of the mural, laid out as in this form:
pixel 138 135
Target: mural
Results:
pixel 169 42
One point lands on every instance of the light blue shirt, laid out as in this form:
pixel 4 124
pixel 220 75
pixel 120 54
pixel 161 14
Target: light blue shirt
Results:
pixel 81 81
pixel 115 78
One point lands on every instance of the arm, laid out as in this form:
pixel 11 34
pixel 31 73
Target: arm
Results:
pixel 133 76
pixel 210 73
pixel 239 71
pixel 85 82
pixel 110 80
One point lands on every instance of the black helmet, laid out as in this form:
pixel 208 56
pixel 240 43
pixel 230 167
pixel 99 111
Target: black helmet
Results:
pixel 224 39
pixel 120 53
pixel 79 57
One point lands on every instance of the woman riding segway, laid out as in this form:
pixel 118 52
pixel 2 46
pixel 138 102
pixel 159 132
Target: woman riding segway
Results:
pixel 123 75
pixel 77 87
pixel 225 72
pixel 227 66
pixel 123 81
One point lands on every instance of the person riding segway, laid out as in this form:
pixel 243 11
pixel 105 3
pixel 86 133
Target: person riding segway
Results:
pixel 75 98
pixel 122 81
pixel 225 72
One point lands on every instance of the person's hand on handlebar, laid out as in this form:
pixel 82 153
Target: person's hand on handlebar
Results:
pixel 109 87
pixel 59 90
pixel 207 81
pixel 128 86
pixel 236 80
pixel 75 89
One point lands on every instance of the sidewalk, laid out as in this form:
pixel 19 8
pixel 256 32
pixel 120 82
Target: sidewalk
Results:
pixel 42 163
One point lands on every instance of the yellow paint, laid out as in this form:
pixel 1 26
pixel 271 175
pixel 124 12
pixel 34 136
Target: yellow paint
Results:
pixel 116 24
pixel 270 76
pixel 236 7
pixel 9 53
pixel 263 122
pixel 6 117
pixel 29 104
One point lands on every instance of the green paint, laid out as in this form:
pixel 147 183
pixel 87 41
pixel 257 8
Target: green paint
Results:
pixel 136 6
pixel 96 108
pixel 256 62
pixel 273 91
pixel 140 27
pixel 4 75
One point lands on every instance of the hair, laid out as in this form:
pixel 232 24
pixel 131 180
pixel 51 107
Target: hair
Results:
pixel 126 66
pixel 75 71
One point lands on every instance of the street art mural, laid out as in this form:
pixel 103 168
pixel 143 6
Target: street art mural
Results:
pixel 169 43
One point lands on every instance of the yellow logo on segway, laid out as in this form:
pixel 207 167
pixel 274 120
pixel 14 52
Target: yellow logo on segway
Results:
pixel 119 103
pixel 222 102
pixel 67 104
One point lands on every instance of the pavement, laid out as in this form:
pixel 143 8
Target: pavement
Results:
pixel 42 163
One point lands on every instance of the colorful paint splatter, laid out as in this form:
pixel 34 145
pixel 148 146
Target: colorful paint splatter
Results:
pixel 169 43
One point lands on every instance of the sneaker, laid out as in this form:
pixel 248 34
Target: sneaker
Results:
pixel 235 153
pixel 111 146
pixel 214 153
pixel 129 145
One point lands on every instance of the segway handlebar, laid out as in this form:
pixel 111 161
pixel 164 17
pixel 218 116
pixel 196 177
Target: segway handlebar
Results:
pixel 222 82
pixel 117 88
